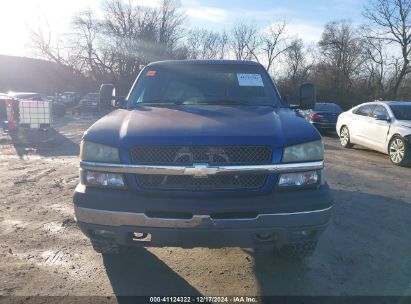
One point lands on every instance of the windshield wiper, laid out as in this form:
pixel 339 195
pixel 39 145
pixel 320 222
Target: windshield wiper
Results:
pixel 160 102
pixel 222 102
pixel 163 102
pixel 235 102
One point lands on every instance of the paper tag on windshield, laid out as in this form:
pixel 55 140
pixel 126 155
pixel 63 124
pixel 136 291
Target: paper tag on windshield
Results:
pixel 250 80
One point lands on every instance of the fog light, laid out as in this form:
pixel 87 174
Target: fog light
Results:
pixel 299 179
pixel 102 179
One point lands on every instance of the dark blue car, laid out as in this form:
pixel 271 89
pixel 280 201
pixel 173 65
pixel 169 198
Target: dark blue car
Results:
pixel 203 154
pixel 324 116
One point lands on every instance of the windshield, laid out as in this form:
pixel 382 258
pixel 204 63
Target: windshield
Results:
pixel 204 84
pixel 401 112
pixel 328 107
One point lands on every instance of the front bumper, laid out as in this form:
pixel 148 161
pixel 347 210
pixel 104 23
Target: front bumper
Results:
pixel 281 217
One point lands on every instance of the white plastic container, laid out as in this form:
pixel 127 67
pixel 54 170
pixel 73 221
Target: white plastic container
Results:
pixel 35 114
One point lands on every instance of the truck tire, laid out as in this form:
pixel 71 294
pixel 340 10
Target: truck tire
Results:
pixel 297 251
pixel 105 247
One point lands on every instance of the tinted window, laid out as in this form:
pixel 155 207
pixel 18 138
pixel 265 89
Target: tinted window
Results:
pixel 401 112
pixel 379 110
pixel 204 84
pixel 365 110
pixel 328 107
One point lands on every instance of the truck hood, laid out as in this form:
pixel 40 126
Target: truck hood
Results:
pixel 202 125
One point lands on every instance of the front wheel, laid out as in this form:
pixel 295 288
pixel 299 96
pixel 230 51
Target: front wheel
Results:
pixel 345 137
pixel 399 151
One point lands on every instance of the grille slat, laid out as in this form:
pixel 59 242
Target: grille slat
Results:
pixel 212 155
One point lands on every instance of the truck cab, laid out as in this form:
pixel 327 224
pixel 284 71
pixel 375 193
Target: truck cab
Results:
pixel 203 154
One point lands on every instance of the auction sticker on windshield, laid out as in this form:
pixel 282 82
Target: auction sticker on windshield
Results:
pixel 250 80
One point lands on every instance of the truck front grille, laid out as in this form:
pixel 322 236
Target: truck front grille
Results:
pixel 214 182
pixel 212 155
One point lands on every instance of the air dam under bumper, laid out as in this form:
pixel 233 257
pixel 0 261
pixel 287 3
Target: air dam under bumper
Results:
pixel 274 218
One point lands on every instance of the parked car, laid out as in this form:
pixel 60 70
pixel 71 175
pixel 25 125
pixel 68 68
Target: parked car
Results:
pixel 69 99
pixel 57 109
pixel 203 154
pixel 89 103
pixel 324 115
pixel 381 126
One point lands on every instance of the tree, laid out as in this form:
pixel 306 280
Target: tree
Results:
pixel 248 43
pixel 204 44
pixel 42 44
pixel 296 62
pixel 376 65
pixel 273 43
pixel 391 22
pixel 342 53
pixel 86 34
pixel 244 40
pixel 170 24
pixel 135 35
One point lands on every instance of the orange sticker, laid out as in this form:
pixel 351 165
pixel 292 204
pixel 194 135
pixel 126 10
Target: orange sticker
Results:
pixel 151 73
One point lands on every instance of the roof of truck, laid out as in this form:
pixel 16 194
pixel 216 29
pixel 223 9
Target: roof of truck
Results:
pixel 233 62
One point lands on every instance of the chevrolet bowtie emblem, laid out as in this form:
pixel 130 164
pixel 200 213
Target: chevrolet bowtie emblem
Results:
pixel 200 170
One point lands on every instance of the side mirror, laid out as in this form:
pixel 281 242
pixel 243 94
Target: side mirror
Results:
pixel 382 117
pixel 108 98
pixel 118 101
pixel 307 96
pixel 291 101
pixel 107 92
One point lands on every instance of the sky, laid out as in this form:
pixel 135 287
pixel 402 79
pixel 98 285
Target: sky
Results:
pixel 305 19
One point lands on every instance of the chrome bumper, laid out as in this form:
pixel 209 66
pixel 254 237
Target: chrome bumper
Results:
pixel 201 170
pixel 117 219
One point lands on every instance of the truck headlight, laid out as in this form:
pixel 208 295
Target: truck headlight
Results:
pixel 310 151
pixel 299 179
pixel 103 179
pixel 90 151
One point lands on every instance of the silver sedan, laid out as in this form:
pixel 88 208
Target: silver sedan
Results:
pixel 381 126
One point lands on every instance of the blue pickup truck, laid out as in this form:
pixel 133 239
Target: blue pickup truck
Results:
pixel 203 154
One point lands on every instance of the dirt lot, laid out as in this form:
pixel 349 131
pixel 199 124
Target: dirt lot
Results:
pixel 365 251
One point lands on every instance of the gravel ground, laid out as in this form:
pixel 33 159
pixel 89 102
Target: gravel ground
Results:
pixel 365 251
